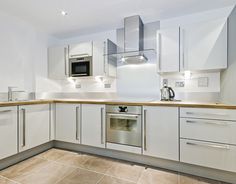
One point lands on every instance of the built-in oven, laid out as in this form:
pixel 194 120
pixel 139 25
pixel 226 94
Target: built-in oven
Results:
pixel 80 67
pixel 124 125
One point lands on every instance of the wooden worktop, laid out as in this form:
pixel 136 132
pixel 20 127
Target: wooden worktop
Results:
pixel 114 102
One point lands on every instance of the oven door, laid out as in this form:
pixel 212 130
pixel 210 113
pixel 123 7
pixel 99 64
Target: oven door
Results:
pixel 124 129
pixel 80 67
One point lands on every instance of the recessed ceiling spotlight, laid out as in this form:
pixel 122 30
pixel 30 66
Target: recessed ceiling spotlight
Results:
pixel 64 13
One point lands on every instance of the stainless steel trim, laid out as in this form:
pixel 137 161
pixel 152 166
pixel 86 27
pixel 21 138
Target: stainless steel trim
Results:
pixel 104 57
pixel 82 74
pixel 80 55
pixel 23 129
pixel 182 48
pixel 102 134
pixel 210 145
pixel 124 116
pixel 209 122
pixel 77 123
pixel 145 129
pixel 159 39
pixel 5 111
pixel 205 114
pixel 65 60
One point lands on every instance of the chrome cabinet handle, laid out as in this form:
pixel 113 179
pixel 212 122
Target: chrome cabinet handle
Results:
pixel 145 129
pixel 79 55
pixel 206 114
pixel 226 147
pixel 209 122
pixel 23 129
pixel 102 133
pixel 77 123
pixel 123 116
pixel 5 111
pixel 65 59
pixel 159 58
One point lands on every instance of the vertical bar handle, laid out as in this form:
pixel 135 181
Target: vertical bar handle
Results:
pixel 145 129
pixel 77 122
pixel 23 128
pixel 102 121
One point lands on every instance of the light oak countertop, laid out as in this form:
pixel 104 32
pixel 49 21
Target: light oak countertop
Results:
pixel 117 102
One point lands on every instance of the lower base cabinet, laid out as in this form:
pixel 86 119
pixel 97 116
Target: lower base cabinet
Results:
pixel 34 125
pixel 161 132
pixel 206 154
pixel 93 125
pixel 8 131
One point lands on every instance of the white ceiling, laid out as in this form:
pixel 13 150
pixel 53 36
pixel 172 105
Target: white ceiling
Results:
pixel 89 16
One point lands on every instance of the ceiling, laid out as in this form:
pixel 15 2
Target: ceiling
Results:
pixel 89 16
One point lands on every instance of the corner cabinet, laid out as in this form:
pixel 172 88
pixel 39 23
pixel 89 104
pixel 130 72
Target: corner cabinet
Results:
pixel 58 62
pixel 161 132
pixel 68 122
pixel 8 131
pixel 34 125
pixel 93 125
pixel 203 45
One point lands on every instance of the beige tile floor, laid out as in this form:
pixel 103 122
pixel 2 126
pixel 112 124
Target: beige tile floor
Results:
pixel 63 167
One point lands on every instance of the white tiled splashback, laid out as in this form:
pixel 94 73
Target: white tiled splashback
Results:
pixel 197 82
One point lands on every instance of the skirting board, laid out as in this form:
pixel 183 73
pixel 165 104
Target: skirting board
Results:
pixel 24 155
pixel 152 162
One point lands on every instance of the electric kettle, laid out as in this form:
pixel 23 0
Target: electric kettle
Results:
pixel 167 93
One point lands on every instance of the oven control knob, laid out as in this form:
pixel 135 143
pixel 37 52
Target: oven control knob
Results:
pixel 123 109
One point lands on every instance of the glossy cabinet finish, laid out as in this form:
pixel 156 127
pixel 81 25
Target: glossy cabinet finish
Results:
pixel 68 122
pixel 93 125
pixel 160 132
pixel 58 62
pixel 81 49
pixel 168 50
pixel 8 131
pixel 204 45
pixel 34 125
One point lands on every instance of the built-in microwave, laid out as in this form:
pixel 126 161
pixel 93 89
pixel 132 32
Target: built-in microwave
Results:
pixel 80 67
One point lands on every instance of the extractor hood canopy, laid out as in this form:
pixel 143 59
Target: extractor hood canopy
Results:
pixel 134 52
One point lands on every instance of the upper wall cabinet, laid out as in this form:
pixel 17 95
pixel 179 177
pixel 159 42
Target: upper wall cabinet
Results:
pixel 194 47
pixel 58 62
pixel 203 46
pixel 168 50
pixel 80 49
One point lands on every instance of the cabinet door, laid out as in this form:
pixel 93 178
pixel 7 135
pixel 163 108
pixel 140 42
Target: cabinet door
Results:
pixel 8 131
pixel 161 137
pixel 58 62
pixel 110 59
pixel 204 45
pixel 34 123
pixel 168 50
pixel 80 49
pixel 93 125
pixel 68 122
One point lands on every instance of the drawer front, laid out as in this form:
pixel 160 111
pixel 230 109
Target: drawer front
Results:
pixel 208 130
pixel 217 156
pixel 222 114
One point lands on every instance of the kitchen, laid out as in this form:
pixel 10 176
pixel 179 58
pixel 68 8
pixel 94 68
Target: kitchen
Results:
pixel 137 95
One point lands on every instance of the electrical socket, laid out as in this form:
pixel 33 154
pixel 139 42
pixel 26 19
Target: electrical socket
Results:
pixel 78 85
pixel 107 85
pixel 179 84
pixel 203 82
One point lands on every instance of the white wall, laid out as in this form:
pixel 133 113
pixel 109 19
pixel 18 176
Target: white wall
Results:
pixel 23 54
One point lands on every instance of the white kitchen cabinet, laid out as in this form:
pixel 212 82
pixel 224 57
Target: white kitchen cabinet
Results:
pixel 68 122
pixel 207 154
pixel 103 63
pixel 82 49
pixel 168 49
pixel 203 45
pixel 161 132
pixel 58 62
pixel 8 131
pixel 93 125
pixel 34 125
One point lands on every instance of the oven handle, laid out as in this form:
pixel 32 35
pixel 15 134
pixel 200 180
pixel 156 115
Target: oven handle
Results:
pixel 124 116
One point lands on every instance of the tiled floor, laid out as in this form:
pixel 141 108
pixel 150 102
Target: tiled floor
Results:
pixel 63 167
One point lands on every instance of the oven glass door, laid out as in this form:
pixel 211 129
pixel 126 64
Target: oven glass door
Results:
pixel 124 129
pixel 80 69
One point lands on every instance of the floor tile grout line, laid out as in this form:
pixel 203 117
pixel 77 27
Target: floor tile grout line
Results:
pixel 10 179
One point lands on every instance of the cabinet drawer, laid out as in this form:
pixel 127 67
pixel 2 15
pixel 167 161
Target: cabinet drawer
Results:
pixel 208 130
pixel 217 156
pixel 222 114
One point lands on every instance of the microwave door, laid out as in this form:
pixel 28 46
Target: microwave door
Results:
pixel 80 69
